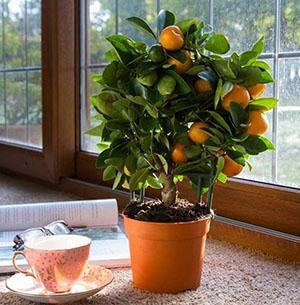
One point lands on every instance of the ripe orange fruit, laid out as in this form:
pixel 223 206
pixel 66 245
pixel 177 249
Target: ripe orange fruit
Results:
pixel 231 168
pixel 257 90
pixel 171 38
pixel 257 123
pixel 202 86
pixel 180 67
pixel 196 134
pixel 239 95
pixel 178 155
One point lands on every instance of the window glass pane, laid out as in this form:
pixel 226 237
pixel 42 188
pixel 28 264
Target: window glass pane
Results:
pixel 89 143
pixel 16 106
pixel 1 34
pixel 34 108
pixel 288 148
pixel 290 25
pixel 20 72
pixel 2 111
pixel 245 21
pixel 187 9
pixel 102 22
pixel 14 33
pixel 34 33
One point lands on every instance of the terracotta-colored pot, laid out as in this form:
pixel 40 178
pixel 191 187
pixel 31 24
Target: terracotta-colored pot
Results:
pixel 167 257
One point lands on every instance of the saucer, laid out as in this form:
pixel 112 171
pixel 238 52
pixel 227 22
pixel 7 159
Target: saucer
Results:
pixel 93 279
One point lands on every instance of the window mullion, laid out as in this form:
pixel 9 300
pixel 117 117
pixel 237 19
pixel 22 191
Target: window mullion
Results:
pixel 4 73
pixel 211 13
pixel 117 16
pixel 26 72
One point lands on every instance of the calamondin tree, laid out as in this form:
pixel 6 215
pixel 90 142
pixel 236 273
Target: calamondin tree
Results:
pixel 182 108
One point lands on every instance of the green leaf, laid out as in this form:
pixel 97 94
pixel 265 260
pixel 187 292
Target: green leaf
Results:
pixel 255 145
pixel 195 70
pixel 117 180
pixel 222 177
pixel 109 74
pixel 130 163
pixel 103 145
pixel 111 55
pixel 154 182
pixel 97 78
pixel 116 162
pixel 104 103
pixel 146 143
pixel 126 49
pixel 164 140
pixel 164 19
pixel 216 132
pixel 109 173
pixel 96 131
pixel 184 88
pixel 218 93
pixel 248 58
pixel 186 24
pixel 250 167
pixel 227 87
pixel 218 118
pixel 261 64
pixel 218 44
pixel 258 47
pixel 139 177
pixel 223 68
pixel 238 114
pixel 139 100
pixel 141 25
pixel 266 77
pixel 219 166
pixel 152 110
pixel 193 151
pixel 100 162
pixel 163 162
pixel 264 104
pixel 250 76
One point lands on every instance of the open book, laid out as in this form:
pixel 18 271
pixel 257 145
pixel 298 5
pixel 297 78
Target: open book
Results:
pixel 97 219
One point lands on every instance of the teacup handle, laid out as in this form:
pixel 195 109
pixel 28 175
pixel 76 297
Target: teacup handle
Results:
pixel 17 267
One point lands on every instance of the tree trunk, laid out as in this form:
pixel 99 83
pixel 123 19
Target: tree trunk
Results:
pixel 169 192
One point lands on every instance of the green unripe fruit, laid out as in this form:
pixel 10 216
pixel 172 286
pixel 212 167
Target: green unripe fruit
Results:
pixel 157 54
pixel 166 85
pixel 148 79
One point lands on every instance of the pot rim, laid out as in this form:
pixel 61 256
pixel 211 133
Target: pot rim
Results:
pixel 205 217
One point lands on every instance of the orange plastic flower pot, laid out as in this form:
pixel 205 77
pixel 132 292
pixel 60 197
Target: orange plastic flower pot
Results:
pixel 167 257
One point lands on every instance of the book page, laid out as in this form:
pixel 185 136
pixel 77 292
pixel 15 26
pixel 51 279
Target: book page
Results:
pixel 81 213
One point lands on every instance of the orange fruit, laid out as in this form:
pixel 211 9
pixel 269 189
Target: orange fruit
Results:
pixel 257 90
pixel 177 154
pixel 171 38
pixel 257 123
pixel 239 95
pixel 196 134
pixel 231 168
pixel 202 86
pixel 180 67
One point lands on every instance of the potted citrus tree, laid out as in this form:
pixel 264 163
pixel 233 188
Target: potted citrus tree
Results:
pixel 178 109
